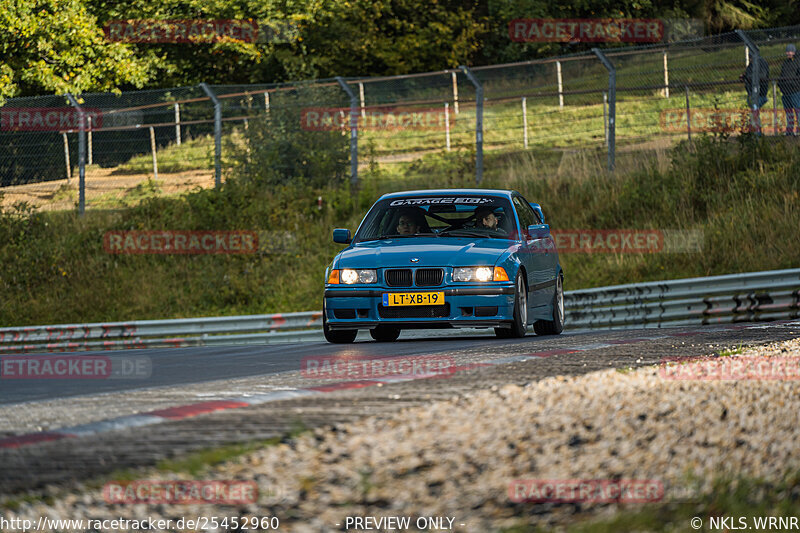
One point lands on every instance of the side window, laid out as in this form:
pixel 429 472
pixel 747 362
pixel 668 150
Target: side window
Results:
pixel 527 216
pixel 533 213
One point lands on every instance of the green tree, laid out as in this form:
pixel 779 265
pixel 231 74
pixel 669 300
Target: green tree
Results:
pixel 56 46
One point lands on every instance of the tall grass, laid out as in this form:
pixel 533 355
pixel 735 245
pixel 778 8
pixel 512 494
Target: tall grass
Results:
pixel 742 193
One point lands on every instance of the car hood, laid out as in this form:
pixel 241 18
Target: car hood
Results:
pixel 431 251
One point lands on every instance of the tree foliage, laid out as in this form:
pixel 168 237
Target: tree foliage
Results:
pixel 56 46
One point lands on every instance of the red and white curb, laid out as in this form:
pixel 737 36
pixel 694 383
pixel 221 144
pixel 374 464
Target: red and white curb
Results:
pixel 201 408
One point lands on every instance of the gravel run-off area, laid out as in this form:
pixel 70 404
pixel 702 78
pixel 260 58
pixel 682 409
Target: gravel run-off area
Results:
pixel 679 425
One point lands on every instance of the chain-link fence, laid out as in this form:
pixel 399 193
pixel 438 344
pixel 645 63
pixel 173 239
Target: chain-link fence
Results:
pixel 171 140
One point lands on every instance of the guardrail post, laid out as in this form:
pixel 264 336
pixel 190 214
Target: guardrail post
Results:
pixel 612 106
pixel 81 153
pixel 478 123
pixel 217 134
pixel 755 78
pixel 353 129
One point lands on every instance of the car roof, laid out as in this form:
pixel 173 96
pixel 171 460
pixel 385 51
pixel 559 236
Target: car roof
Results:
pixel 487 192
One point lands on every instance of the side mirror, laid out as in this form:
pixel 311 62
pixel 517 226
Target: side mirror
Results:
pixel 538 231
pixel 538 209
pixel 341 235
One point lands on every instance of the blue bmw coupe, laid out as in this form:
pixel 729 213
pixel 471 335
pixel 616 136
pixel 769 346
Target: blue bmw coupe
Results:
pixel 445 259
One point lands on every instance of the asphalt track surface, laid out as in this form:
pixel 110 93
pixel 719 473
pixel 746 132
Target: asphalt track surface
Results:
pixel 181 366
pixel 179 373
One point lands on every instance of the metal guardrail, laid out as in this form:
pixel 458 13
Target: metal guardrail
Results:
pixel 211 331
pixel 756 296
pixel 749 297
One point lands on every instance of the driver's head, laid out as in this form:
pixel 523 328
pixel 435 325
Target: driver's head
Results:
pixel 408 223
pixel 485 217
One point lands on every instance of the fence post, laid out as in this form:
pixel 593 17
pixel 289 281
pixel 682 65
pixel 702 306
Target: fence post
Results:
pixel 249 108
pixel 178 123
pixel 153 150
pixel 361 97
pixel 612 106
pixel 774 109
pixel 525 121
pixel 353 129
pixel 478 123
pixel 455 92
pixel 266 101
pixel 688 116
pixel 89 120
pixel 560 86
pixel 66 157
pixel 81 154
pixel 217 134
pixel 447 124
pixel 605 116
pixel 666 76
pixel 755 78
pixel 746 56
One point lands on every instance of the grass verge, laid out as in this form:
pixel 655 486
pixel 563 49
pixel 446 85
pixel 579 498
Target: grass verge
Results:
pixel 741 193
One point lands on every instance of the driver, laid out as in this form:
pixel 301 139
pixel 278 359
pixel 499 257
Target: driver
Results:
pixel 486 219
pixel 409 222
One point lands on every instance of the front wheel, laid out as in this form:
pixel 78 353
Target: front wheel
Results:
pixel 385 333
pixel 336 336
pixel 555 326
pixel 520 325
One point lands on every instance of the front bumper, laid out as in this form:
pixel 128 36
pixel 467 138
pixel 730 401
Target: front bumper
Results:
pixel 466 306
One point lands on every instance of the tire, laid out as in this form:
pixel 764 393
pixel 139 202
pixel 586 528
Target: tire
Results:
pixel 555 326
pixel 385 333
pixel 520 325
pixel 336 336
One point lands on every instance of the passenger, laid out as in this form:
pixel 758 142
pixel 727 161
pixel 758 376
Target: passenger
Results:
pixel 409 222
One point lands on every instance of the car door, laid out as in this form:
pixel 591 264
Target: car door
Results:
pixel 537 256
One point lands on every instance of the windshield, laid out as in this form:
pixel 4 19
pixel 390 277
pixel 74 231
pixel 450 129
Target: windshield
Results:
pixel 472 216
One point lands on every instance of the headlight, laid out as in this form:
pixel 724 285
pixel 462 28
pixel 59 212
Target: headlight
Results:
pixel 479 274
pixel 348 276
